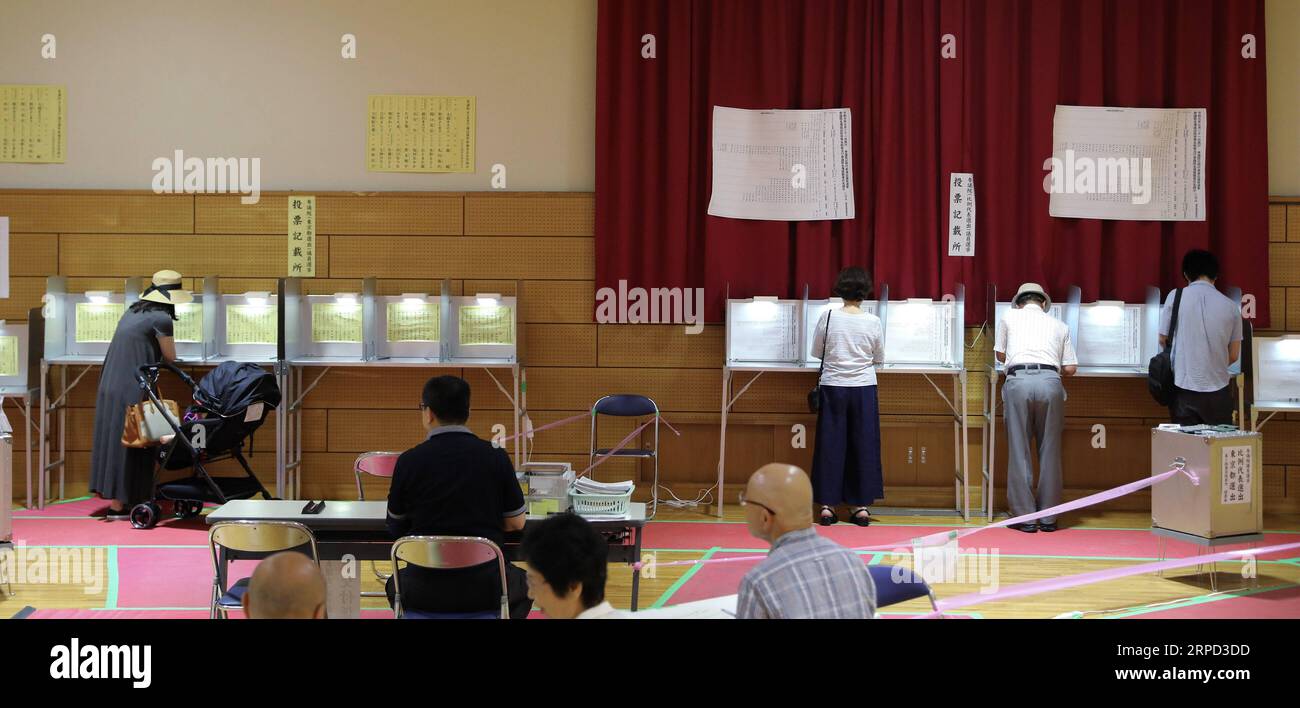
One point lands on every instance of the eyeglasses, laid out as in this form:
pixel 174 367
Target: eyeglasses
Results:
pixel 747 502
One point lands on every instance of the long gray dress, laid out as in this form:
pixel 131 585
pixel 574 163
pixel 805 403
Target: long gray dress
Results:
pixel 117 472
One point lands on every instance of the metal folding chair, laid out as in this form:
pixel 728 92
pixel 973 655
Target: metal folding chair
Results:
pixel 908 586
pixel 629 405
pixel 259 537
pixel 374 464
pixel 447 553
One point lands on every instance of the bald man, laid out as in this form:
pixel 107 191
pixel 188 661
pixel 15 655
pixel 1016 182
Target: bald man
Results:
pixel 286 585
pixel 805 576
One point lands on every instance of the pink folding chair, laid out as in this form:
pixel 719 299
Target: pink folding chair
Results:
pixel 374 464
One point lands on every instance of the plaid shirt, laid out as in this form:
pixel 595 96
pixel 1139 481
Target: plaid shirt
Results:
pixel 807 577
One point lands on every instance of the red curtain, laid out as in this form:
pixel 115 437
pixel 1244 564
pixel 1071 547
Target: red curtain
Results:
pixel 916 118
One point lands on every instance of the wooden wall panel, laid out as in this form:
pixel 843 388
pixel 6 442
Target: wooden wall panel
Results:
pixel 661 346
pixel 33 254
pixel 673 389
pixel 1292 223
pixel 102 255
pixel 1284 261
pixel 570 301
pixel 560 344
pixel 1277 222
pixel 24 294
pixel 63 212
pixel 529 214
pixel 537 258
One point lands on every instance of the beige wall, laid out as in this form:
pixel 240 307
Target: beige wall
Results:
pixel 264 78
pixel 1282 24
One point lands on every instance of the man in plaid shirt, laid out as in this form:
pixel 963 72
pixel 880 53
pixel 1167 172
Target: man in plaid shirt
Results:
pixel 805 576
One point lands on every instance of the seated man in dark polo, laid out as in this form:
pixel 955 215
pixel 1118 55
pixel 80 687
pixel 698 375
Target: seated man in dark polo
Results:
pixel 456 484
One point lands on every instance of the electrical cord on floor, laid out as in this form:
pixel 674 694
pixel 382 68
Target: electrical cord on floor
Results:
pixel 704 498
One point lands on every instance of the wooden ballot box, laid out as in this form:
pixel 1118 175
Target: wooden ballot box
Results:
pixel 1229 499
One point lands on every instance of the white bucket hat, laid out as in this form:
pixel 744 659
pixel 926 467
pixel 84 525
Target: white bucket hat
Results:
pixel 166 289
pixel 1037 290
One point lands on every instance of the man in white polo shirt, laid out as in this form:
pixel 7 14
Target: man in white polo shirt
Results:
pixel 1036 349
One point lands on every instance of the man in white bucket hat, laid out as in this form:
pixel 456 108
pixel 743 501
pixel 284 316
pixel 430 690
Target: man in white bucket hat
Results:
pixel 1036 349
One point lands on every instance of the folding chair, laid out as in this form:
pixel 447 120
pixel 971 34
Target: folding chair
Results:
pixel 629 405
pixel 261 537
pixel 907 586
pixel 374 464
pixel 447 553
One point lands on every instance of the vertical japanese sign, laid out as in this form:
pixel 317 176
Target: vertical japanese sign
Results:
pixel 1238 475
pixel 302 236
pixel 961 214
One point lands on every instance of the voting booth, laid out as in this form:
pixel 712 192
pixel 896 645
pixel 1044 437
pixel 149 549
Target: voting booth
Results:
pixel 1275 377
pixel 766 334
pixel 428 329
pixel 19 380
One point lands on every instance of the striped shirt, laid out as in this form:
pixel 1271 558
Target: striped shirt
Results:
pixel 807 577
pixel 1208 323
pixel 853 348
pixel 1028 335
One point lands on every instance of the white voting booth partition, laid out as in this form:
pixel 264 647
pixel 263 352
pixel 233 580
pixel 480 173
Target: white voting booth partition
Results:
pixel 367 331
pixel 1111 338
pixel 922 337
pixel 18 380
pixel 1275 377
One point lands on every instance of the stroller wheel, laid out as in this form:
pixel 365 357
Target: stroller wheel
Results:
pixel 144 516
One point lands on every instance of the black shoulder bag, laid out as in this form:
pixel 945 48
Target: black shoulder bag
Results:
pixel 815 395
pixel 1160 370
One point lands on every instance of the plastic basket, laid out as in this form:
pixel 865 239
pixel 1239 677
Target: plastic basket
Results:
pixel 600 504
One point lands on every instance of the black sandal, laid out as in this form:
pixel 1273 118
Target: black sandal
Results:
pixel 861 516
pixel 824 519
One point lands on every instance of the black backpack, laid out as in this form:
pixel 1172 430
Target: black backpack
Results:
pixel 1160 370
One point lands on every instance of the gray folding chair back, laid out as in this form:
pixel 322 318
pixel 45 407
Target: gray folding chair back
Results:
pixel 447 553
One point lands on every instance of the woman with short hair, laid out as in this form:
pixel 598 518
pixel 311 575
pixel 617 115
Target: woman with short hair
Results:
pixel 846 456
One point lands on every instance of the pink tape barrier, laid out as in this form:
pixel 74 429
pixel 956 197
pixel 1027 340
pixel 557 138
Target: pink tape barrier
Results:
pixel 946 536
pixel 1097 576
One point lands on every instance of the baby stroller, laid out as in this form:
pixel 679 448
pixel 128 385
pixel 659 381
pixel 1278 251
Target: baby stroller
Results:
pixel 230 404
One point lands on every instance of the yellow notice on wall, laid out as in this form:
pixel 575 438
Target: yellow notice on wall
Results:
pixel 413 322
pixel 251 324
pixel 333 322
pixel 33 123
pixel 96 322
pixel 8 355
pixel 302 236
pixel 420 134
pixel 487 324
pixel 189 323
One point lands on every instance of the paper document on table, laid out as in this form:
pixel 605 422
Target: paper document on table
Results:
pixel 711 608
pixel 487 324
pixel 412 322
pixel 1110 335
pixel 920 333
pixel 586 485
pixel 251 324
pixel 1142 164
pixel 334 322
pixel 8 355
pixel 782 165
pixel 189 324
pixel 1277 378
pixel 764 331
pixel 96 322
pixel 33 123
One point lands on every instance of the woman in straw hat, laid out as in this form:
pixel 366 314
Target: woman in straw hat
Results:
pixel 120 475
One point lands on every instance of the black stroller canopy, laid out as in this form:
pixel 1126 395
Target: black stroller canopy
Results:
pixel 235 387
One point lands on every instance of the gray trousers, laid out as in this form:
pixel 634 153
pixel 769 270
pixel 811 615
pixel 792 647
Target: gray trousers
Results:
pixel 1033 406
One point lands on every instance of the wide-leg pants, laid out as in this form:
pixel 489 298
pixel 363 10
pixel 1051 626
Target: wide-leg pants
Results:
pixel 846 456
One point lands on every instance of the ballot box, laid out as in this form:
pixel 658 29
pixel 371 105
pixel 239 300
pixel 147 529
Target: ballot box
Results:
pixel 1228 501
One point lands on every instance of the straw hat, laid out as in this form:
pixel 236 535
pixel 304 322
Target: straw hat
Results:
pixel 166 289
pixel 1037 290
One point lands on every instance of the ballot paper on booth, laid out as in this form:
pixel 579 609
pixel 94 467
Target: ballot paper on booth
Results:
pixel 1141 164
pixel 920 332
pixel 1110 334
pixel 763 331
pixel 782 165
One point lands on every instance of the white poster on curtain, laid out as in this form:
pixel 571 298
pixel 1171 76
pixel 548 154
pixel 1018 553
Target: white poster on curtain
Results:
pixel 4 257
pixel 961 214
pixel 782 165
